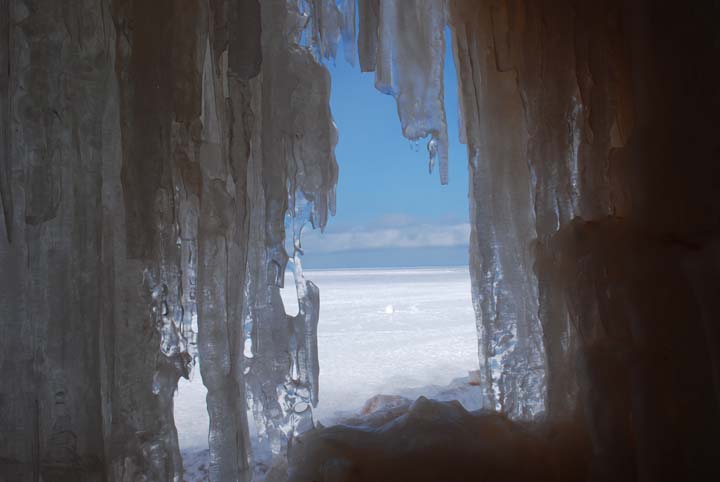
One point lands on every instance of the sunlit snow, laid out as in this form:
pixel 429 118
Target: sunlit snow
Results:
pixel 426 343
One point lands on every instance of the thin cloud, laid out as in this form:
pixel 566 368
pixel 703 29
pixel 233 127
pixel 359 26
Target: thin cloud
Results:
pixel 408 236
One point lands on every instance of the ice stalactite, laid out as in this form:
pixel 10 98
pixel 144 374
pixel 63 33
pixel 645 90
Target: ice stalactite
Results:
pixel 410 58
pixel 406 49
pixel 218 178
pixel 306 366
pixel 158 86
pixel 293 168
pixel 326 25
pixel 266 345
pixel 348 8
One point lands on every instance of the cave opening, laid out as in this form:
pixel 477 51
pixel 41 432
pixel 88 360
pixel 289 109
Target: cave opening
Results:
pixel 396 314
pixel 396 319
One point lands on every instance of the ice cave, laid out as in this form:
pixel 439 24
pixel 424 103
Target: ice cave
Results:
pixel 160 161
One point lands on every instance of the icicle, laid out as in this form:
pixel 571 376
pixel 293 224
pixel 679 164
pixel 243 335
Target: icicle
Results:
pixel 291 182
pixel 306 321
pixel 368 11
pixel 384 81
pixel 410 62
pixel 347 9
pixel 327 23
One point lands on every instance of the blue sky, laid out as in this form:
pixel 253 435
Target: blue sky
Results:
pixel 390 211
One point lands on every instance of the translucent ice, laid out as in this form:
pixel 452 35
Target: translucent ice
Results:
pixel 410 59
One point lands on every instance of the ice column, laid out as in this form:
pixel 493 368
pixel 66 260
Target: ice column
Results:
pixel 158 81
pixel 91 293
pixel 501 216
pixel 292 167
pixel 222 134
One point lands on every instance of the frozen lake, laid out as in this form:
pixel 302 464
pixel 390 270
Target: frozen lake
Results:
pixel 390 331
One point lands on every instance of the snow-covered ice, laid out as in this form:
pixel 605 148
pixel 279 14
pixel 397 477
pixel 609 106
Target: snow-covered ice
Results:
pixel 404 331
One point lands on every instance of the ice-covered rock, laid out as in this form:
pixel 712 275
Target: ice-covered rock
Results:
pixel 427 440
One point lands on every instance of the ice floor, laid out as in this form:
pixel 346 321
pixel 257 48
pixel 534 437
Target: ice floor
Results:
pixel 389 331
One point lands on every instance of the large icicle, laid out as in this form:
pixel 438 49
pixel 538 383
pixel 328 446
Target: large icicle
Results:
pixel 306 368
pixel 160 100
pixel 410 61
pixel 222 160
pixel 292 169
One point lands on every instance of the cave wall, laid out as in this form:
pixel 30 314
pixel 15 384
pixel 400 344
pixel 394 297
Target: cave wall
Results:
pixel 143 195
pixel 54 149
pixel 609 111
